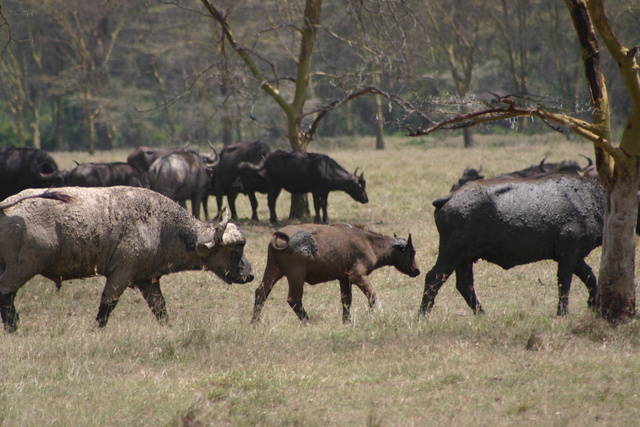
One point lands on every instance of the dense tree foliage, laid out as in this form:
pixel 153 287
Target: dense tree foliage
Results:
pixel 82 75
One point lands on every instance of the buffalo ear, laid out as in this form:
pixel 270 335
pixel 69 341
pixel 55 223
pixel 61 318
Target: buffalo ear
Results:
pixel 409 241
pixel 203 249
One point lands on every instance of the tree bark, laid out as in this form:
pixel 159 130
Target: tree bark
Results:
pixel 616 299
pixel 469 139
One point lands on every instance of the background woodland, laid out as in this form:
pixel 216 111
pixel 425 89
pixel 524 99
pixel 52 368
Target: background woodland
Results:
pixel 89 75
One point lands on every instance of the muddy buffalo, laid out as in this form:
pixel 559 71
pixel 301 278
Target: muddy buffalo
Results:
pixel 182 175
pixel 132 236
pixel 320 253
pixel 512 222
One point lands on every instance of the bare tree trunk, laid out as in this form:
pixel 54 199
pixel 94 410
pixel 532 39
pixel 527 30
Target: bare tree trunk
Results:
pixel 616 298
pixel 89 120
pixel 58 122
pixel 469 139
pixel 299 207
pixel 35 124
pixel 379 119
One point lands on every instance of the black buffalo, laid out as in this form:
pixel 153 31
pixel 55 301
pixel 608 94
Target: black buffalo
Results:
pixel 315 173
pixel 22 168
pixel 512 222
pixel 227 170
pixel 252 178
pixel 106 175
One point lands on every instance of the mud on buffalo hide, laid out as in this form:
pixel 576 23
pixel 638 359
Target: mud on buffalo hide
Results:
pixel 132 236
pixel 512 222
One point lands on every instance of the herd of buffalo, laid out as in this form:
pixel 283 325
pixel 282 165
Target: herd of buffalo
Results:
pixel 119 220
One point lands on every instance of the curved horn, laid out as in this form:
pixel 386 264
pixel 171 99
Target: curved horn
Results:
pixel 480 170
pixel 541 165
pixel 588 160
pixel 355 172
pixel 222 225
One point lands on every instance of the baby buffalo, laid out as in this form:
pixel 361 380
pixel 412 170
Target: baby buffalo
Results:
pixel 316 253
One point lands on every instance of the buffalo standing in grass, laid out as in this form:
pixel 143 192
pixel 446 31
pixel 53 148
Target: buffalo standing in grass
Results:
pixel 181 176
pixel 321 253
pixel 319 174
pixel 132 236
pixel 142 158
pixel 512 222
pixel 227 171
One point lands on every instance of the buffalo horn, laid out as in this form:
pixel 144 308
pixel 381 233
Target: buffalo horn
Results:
pixel 223 217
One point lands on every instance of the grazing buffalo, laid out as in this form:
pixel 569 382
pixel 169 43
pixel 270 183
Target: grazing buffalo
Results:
pixel 22 168
pixel 132 236
pixel 299 173
pixel 513 222
pixel 321 253
pixel 227 171
pixel 181 176
pixel 106 175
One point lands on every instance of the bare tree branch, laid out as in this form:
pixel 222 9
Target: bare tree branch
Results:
pixel 5 23
pixel 509 109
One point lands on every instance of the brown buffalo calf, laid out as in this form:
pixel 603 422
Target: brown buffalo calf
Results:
pixel 316 253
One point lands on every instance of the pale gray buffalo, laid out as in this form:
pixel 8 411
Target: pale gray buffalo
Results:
pixel 132 236
pixel 181 176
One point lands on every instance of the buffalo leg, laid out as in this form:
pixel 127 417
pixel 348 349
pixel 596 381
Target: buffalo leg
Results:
pixel 323 205
pixel 8 311
pixel 110 295
pixel 272 273
pixel 345 298
pixel 272 197
pixel 565 275
pixel 295 277
pixel 317 203
pixel 254 206
pixel 295 301
pixel 465 285
pixel 231 198
pixel 368 291
pixel 584 272
pixel 432 283
pixel 219 199
pixel 10 281
pixel 152 294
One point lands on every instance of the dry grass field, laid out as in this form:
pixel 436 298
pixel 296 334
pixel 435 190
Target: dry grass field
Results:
pixel 518 364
